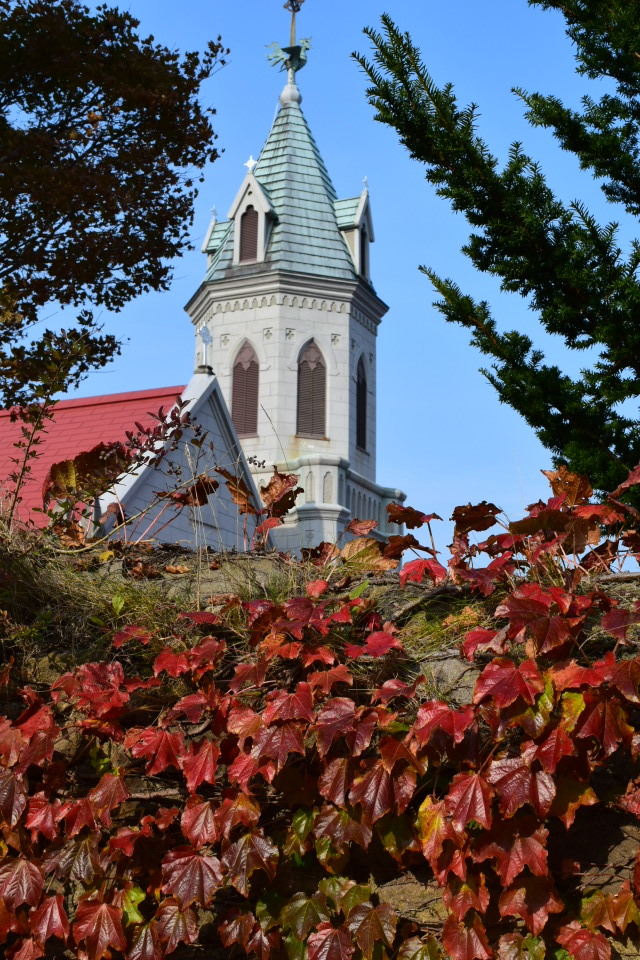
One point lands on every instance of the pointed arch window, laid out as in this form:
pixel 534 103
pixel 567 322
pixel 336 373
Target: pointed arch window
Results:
pixel 244 396
pixel 249 235
pixel 312 392
pixel 361 406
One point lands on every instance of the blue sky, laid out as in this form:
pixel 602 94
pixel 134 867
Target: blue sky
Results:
pixel 443 436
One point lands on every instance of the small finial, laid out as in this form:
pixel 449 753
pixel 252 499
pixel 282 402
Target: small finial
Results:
pixel 251 164
pixel 365 180
pixel 207 340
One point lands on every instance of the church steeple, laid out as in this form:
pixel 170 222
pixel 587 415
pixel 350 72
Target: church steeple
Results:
pixel 293 317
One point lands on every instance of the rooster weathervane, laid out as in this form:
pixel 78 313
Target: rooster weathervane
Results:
pixel 293 57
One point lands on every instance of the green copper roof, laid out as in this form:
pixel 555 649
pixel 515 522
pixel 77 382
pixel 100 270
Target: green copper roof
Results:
pixel 346 211
pixel 305 236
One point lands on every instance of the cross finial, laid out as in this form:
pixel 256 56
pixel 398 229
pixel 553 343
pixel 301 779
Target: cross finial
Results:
pixel 294 6
pixel 365 181
pixel 251 164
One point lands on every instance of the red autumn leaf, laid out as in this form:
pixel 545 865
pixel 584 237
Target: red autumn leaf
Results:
pixel 341 828
pixel 334 719
pixel 195 495
pixel 329 943
pixel 374 792
pixel 200 764
pixel 174 925
pixel 163 749
pixel 172 662
pixel 146 943
pixel 190 877
pixel 572 676
pixel 78 815
pixel 571 794
pixel 77 860
pixel 532 899
pixel 469 798
pixel 198 823
pixel 371 925
pixel 582 944
pixel 515 844
pixel 326 680
pixel 131 633
pixel 21 881
pixel 414 572
pixel 250 853
pixel 245 767
pixel 279 495
pixel 486 579
pixel 244 723
pixel 262 943
pixel 200 617
pixel 107 795
pixel 556 745
pixel 466 939
pixel 480 640
pixel 605 721
pixel 626 679
pixel 504 682
pixel 460 896
pixel 433 828
pixel 395 688
pixel 249 674
pixel 479 517
pixel 377 644
pixel 236 809
pixel 99 926
pixel 516 784
pixel 436 715
pixel 624 909
pixel 316 588
pixel 361 528
pixel 13 797
pixel 408 516
pixel 394 751
pixel 43 817
pixel 530 607
pixel 290 706
pixel 26 950
pixel 618 621
pixel 335 780
pixel 276 743
pixel 97 688
pixel 237 927
pixel 49 920
pixel 633 478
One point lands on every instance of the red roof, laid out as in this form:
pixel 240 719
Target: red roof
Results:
pixel 78 425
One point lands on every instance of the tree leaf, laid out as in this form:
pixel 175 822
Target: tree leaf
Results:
pixel 466 939
pixel 584 944
pixel 515 844
pixel 174 925
pixel 371 925
pixel 469 798
pixel 200 764
pixel 329 943
pixel 250 853
pixel 99 927
pixel 190 877
pixel 504 682
pixel 517 783
pixel 49 919
pixel 303 914
pixel 21 881
pixel 532 899
pixel 198 822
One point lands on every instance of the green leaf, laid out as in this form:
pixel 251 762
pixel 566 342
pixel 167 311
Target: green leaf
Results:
pixel 118 603
pixel 129 905
pixel 296 839
pixel 359 590
pixel 353 894
pixel 303 914
pixel 296 949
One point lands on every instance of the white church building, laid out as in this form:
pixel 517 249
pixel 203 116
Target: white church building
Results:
pixel 287 318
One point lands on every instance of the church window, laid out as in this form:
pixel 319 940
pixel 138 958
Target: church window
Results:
pixel 312 390
pixel 244 399
pixel 364 252
pixel 249 235
pixel 361 406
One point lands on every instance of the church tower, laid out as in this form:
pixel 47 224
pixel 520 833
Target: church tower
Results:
pixel 287 317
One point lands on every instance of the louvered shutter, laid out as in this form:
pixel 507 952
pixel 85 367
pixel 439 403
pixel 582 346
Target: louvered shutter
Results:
pixel 312 388
pixel 244 399
pixel 361 406
pixel 249 235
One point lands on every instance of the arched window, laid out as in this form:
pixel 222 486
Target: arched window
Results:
pixel 312 389
pixel 364 251
pixel 244 397
pixel 361 406
pixel 249 235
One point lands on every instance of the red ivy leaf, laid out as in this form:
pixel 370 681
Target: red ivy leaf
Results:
pixel 250 853
pixel 436 715
pixel 163 749
pixel 49 920
pixel 198 823
pixel 466 939
pixel 460 896
pixel 43 817
pixel 333 720
pixel 414 572
pixel 325 680
pixel 371 925
pixel 99 925
pixel 146 943
pixel 516 783
pixel 605 721
pixel 13 797
pixel 276 743
pixel 617 621
pixel 408 516
pixel 360 528
pixel 329 943
pixel 584 944
pixel 107 795
pixel 335 780
pixel 515 844
pixel 396 688
pixel 469 798
pixel 533 899
pixel 21 881
pixel 374 792
pixel 174 925
pixel 504 682
pixel 190 877
pixel 290 706
pixel 200 764
pixel 131 633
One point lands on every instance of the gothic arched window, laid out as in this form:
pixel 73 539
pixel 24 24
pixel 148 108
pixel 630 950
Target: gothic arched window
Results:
pixel 312 391
pixel 361 406
pixel 244 395
pixel 249 235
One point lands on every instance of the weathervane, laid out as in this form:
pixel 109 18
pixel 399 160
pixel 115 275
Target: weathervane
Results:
pixel 293 57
